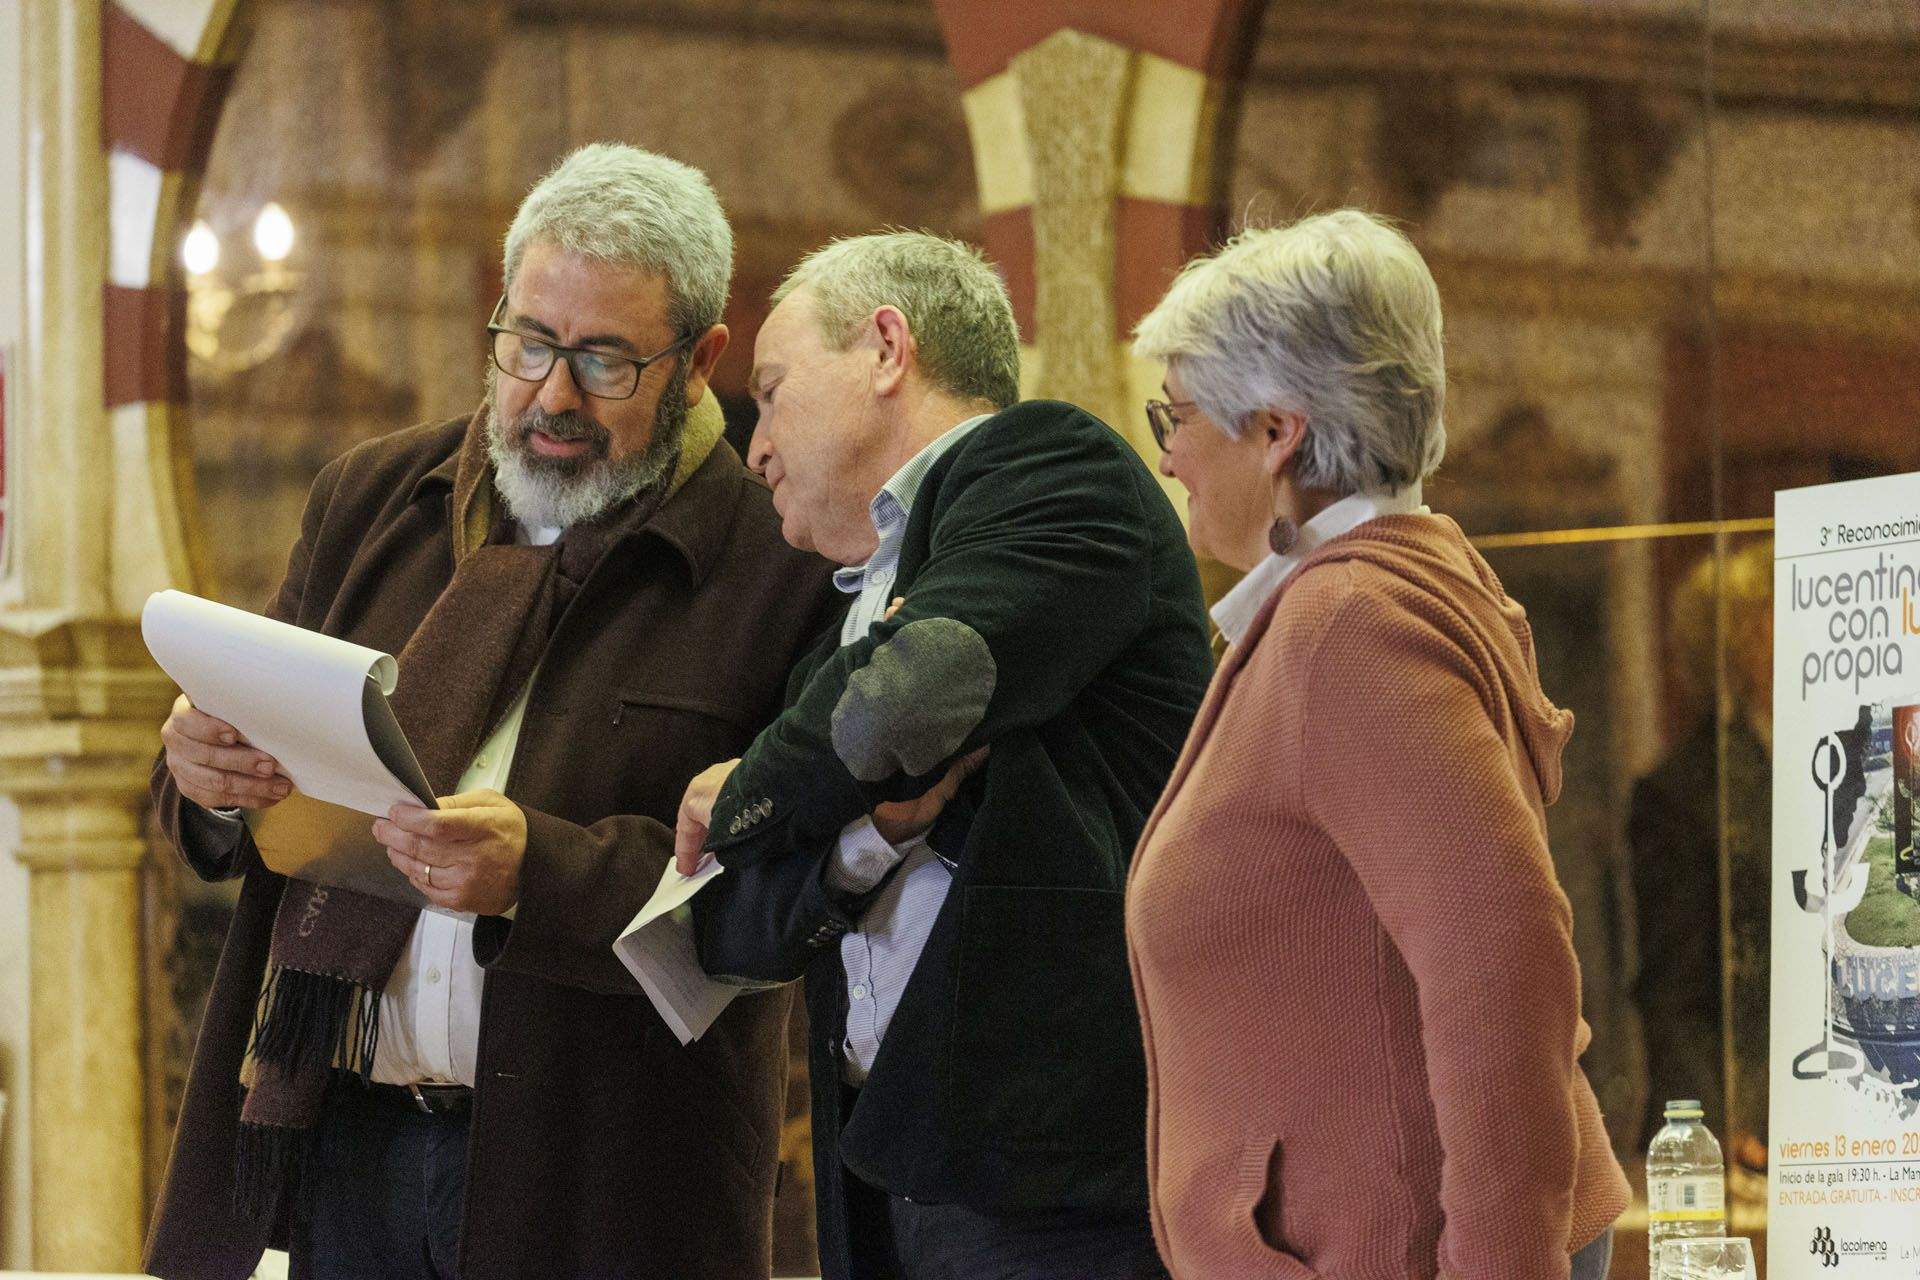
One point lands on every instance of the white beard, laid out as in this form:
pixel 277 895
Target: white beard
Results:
pixel 559 493
pixel 544 499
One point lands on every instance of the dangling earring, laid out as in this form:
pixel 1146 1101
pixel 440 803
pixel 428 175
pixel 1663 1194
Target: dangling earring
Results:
pixel 1282 534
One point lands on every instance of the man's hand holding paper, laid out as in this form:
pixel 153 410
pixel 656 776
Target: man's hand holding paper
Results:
pixel 214 765
pixel 465 855
pixel 696 815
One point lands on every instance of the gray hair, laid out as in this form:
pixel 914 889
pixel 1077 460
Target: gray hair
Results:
pixel 633 208
pixel 955 303
pixel 1334 317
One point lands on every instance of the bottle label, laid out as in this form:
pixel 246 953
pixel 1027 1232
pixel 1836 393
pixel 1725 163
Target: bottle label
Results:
pixel 1698 1199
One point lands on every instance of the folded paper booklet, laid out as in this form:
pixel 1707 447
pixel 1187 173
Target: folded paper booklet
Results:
pixel 318 705
pixel 658 949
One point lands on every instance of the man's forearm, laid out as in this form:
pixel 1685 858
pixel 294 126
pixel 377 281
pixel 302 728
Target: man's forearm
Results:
pixel 214 847
pixel 580 887
pixel 768 922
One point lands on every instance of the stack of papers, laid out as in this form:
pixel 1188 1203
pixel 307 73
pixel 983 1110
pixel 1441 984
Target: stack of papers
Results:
pixel 318 705
pixel 658 948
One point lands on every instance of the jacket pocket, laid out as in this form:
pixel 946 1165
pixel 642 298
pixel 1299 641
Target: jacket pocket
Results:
pixel 1259 1204
pixel 657 734
pixel 717 1106
pixel 631 702
pixel 1046 1037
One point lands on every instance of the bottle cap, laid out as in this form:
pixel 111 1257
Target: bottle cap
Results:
pixel 1684 1109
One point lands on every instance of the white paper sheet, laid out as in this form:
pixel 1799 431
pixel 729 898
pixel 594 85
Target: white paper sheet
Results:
pixel 315 703
pixel 658 949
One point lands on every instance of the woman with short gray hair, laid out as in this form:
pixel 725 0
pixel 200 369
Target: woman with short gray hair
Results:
pixel 1353 960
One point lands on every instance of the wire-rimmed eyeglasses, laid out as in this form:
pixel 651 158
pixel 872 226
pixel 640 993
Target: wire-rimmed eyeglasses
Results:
pixel 1163 419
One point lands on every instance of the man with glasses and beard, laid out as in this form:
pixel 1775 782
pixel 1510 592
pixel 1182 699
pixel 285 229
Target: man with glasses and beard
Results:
pixel 590 601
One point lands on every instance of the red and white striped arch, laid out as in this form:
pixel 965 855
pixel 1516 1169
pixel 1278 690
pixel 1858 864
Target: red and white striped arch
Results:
pixel 167 65
pixel 1194 51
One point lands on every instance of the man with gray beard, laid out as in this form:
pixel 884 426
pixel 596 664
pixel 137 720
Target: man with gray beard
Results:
pixel 558 491
pixel 590 601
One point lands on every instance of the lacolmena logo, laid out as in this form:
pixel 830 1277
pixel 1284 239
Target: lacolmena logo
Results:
pixel 1874 1249
pixel 1830 1249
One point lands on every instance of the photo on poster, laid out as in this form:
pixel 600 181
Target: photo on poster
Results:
pixel 1865 888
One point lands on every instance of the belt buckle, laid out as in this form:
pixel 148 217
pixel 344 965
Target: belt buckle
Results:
pixel 419 1099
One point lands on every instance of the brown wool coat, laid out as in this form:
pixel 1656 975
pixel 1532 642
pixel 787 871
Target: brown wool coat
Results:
pixel 600 1146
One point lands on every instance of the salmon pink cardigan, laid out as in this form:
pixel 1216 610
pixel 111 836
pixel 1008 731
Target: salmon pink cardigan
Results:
pixel 1354 963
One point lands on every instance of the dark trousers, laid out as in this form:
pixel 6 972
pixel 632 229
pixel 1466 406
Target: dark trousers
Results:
pixel 891 1238
pixel 383 1190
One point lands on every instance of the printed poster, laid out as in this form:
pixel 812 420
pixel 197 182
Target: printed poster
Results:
pixel 1844 1169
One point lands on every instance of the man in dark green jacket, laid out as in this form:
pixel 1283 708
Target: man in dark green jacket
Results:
pixel 936 831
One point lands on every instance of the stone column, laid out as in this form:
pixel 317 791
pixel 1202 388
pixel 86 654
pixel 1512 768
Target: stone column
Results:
pixel 79 699
pixel 77 718
pixel 1098 164
pixel 1073 100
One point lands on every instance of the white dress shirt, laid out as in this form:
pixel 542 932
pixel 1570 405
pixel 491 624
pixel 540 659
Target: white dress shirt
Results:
pixel 430 1011
pixel 1236 610
pixel 881 952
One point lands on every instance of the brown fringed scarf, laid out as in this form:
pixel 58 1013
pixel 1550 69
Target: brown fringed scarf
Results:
pixel 333 949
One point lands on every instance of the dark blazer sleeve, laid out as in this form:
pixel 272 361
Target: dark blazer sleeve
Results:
pixel 765 922
pixel 769 921
pixel 1037 576
pixel 217 849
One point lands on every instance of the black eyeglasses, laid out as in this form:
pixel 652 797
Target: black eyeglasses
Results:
pixel 1163 421
pixel 600 374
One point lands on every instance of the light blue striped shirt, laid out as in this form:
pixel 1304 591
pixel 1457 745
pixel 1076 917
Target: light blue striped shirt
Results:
pixel 881 952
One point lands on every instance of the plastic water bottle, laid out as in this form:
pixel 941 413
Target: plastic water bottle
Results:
pixel 1686 1182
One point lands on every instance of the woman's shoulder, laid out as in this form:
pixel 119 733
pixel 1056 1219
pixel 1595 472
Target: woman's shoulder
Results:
pixel 1357 623
pixel 1326 624
pixel 1325 592
pixel 1308 607
pixel 1343 610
